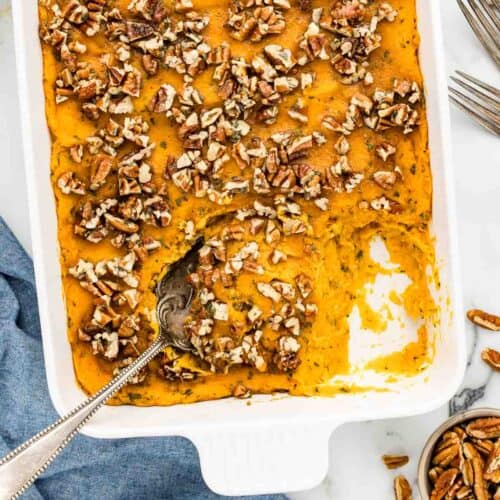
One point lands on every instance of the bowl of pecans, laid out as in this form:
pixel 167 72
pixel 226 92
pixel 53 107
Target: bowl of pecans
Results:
pixel 461 459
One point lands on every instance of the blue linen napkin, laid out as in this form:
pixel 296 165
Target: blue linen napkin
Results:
pixel 93 469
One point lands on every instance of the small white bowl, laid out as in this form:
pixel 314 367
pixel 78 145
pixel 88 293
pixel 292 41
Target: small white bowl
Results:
pixel 424 484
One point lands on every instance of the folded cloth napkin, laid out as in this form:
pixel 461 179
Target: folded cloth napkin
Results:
pixel 93 469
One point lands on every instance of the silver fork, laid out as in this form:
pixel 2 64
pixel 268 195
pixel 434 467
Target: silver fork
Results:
pixel 484 18
pixel 481 101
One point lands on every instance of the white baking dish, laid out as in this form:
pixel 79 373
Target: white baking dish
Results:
pixel 276 444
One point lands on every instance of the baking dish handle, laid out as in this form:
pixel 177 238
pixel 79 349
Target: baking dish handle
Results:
pixel 269 458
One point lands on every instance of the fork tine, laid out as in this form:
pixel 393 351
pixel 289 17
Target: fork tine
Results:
pixel 486 22
pixel 479 83
pixel 476 116
pixel 492 105
pixel 480 33
pixel 473 104
pixel 491 13
pixel 485 121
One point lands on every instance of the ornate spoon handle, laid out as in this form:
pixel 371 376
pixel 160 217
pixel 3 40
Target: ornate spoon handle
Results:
pixel 20 468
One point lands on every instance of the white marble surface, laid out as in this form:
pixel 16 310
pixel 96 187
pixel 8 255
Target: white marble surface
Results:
pixel 356 471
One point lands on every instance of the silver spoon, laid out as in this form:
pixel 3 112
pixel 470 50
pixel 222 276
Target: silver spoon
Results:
pixel 20 468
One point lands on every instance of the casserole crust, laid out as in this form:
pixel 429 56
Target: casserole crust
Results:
pixel 289 135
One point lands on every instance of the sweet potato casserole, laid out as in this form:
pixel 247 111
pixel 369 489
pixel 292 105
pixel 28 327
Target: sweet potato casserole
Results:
pixel 289 134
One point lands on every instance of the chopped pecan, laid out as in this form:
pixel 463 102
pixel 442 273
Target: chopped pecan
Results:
pixel 268 291
pixel 150 64
pixel 132 82
pixel 121 224
pixel 163 100
pixel 91 111
pixel 139 30
pixel 384 150
pixel 76 153
pixel 384 203
pixel 241 392
pixel 330 123
pixel 385 179
pixel 183 6
pixel 342 146
pixel 281 57
pixel 75 12
pixel 286 358
pixel 256 20
pixel 68 183
pixel 171 370
pixel 102 167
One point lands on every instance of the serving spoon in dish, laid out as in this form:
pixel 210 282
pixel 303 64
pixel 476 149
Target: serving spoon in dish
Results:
pixel 20 468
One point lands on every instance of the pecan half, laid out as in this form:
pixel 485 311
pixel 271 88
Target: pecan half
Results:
pixel 491 357
pixel 484 428
pixel 492 470
pixel 395 461
pixel 402 488
pixel 444 484
pixel 480 489
pixel 469 461
pixel 484 319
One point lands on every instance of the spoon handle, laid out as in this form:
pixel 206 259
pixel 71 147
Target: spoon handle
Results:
pixel 20 468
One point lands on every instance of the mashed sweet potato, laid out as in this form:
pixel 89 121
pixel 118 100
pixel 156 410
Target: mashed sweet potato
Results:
pixel 288 134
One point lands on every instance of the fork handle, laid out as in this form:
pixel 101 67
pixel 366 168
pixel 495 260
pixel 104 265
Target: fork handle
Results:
pixel 20 468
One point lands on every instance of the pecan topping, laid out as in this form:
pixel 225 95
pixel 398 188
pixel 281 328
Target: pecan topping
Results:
pixel 385 179
pixel 281 57
pixel 76 153
pixel 68 183
pixel 255 19
pixel 384 150
pixel 163 99
pixel 172 370
pixel 75 12
pixel 102 168
pixel 266 187
pixel 241 392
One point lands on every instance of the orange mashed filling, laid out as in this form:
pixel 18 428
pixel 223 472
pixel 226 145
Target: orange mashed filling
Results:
pixel 334 252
